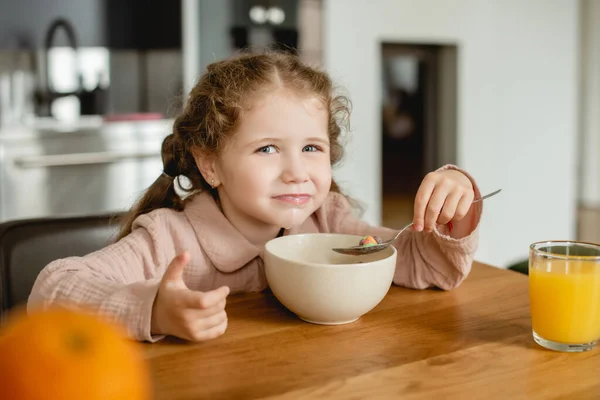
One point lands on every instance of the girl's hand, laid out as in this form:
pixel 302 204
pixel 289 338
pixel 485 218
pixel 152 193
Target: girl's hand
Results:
pixel 188 314
pixel 443 196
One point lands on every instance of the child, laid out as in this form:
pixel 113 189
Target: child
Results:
pixel 256 140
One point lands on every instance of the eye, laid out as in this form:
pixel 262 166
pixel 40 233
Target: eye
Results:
pixel 267 149
pixel 311 148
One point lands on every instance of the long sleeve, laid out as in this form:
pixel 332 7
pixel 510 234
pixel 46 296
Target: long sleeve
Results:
pixel 119 282
pixel 439 258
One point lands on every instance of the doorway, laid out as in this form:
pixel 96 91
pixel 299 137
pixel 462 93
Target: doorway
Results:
pixel 418 110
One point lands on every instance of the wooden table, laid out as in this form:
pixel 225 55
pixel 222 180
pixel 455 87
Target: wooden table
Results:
pixel 471 342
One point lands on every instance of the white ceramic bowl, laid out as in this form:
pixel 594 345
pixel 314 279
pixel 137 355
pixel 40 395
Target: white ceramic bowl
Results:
pixel 321 286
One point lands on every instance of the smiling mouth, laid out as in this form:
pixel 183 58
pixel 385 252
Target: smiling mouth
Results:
pixel 294 199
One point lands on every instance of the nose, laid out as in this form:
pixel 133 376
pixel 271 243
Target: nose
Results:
pixel 294 169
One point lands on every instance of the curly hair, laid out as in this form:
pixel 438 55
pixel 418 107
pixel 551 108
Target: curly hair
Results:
pixel 213 112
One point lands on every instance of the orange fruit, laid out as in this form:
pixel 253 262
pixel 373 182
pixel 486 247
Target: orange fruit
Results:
pixel 60 354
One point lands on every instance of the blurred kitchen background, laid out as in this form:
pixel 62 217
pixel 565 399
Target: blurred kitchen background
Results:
pixel 508 90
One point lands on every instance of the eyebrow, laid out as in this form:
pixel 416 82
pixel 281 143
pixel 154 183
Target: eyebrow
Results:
pixel 319 140
pixel 275 140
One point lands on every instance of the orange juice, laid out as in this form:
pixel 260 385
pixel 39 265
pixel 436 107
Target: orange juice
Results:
pixel 565 300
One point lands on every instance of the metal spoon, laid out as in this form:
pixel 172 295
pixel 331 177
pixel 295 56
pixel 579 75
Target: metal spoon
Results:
pixel 361 250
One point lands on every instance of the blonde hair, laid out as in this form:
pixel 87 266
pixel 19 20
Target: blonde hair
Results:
pixel 213 112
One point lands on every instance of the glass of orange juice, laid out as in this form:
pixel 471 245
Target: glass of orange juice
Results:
pixel 564 294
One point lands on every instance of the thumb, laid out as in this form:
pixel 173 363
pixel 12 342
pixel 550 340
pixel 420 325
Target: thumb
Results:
pixel 174 274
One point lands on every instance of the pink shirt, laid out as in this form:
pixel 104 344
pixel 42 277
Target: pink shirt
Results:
pixel 121 281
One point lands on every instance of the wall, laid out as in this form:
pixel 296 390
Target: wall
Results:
pixel 206 37
pixel 517 105
pixel 215 21
pixel 590 105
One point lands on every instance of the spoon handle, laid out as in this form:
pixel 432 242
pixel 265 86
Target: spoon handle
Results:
pixel 399 232
pixel 487 196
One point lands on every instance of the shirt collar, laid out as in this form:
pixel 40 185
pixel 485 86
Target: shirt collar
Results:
pixel 224 245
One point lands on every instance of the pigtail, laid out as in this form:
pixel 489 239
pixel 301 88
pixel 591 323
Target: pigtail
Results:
pixel 161 193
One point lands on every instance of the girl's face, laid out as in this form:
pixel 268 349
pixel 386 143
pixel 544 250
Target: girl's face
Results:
pixel 276 169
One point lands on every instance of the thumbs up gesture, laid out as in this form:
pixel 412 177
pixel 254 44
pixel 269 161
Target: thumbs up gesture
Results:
pixel 187 314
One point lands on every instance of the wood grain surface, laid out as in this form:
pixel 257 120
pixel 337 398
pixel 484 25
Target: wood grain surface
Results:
pixel 471 342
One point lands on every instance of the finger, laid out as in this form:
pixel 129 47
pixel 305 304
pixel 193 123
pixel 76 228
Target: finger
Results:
pixel 204 324
pixel 211 333
pixel 202 300
pixel 174 273
pixel 421 201
pixel 207 312
pixel 449 207
pixel 436 202
pixel 463 206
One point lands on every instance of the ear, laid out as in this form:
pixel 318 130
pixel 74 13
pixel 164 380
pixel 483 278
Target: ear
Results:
pixel 206 163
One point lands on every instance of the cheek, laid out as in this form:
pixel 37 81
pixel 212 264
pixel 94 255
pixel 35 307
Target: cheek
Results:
pixel 241 179
pixel 322 175
pixel 231 170
pixel 245 177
